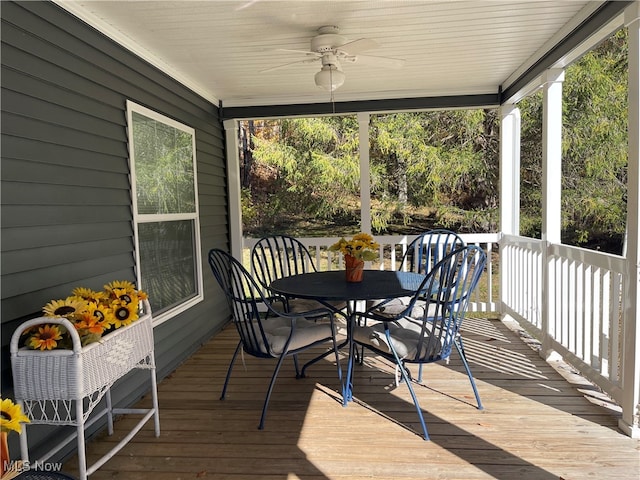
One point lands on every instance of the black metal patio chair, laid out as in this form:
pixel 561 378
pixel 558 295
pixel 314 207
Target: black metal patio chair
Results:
pixel 280 335
pixel 278 256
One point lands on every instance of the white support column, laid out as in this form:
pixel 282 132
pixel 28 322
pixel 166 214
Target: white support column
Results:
pixel 233 188
pixel 510 124
pixel 365 175
pixel 551 197
pixel 552 155
pixel 630 421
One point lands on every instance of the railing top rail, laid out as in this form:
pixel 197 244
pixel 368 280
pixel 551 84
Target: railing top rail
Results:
pixel 249 242
pixel 607 261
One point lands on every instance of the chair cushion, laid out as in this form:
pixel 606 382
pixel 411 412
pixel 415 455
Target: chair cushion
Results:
pixel 405 335
pixel 277 330
pixel 397 306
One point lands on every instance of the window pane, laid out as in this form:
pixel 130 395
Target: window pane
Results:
pixel 164 167
pixel 167 260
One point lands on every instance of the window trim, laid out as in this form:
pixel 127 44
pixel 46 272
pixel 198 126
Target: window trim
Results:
pixel 155 218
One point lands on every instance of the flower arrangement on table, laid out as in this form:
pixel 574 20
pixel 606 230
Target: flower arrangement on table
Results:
pixel 361 246
pixel 92 314
pixel 356 251
pixel 11 417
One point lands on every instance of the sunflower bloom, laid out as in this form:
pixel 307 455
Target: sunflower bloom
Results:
pixel 124 313
pixel 64 308
pixel 11 416
pixel 120 284
pixel 100 312
pixel 124 296
pixel 46 338
pixel 88 295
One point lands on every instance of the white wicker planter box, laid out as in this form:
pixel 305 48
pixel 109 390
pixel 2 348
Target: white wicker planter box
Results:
pixel 62 387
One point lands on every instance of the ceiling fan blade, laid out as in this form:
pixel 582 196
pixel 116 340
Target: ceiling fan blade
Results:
pixel 303 52
pixel 278 67
pixel 360 45
pixel 247 4
pixel 385 62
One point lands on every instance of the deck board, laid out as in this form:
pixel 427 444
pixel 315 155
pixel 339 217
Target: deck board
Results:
pixel 536 424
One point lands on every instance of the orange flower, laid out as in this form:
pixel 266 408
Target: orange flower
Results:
pixel 90 324
pixel 46 338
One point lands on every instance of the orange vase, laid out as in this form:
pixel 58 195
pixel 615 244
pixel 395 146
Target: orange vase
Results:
pixel 354 268
pixel 5 462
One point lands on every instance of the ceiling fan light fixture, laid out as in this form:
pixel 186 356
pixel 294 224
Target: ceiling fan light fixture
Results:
pixel 329 78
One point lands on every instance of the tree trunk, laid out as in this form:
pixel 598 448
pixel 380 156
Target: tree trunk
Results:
pixel 401 179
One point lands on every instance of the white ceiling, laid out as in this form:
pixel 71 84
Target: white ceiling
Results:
pixel 219 48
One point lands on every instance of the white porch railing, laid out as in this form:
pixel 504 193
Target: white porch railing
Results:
pixel 392 249
pixel 577 312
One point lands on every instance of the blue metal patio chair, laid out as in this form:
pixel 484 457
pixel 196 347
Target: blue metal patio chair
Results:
pixel 278 256
pixel 427 333
pixel 280 335
pixel 425 251
pixel 429 248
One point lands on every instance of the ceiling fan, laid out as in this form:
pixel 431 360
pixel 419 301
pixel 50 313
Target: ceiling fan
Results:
pixel 330 48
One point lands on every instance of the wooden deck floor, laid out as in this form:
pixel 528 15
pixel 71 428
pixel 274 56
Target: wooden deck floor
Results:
pixel 536 425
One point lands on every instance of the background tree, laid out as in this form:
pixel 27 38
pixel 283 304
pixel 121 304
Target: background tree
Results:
pixel 306 171
pixel 594 150
pixel 445 161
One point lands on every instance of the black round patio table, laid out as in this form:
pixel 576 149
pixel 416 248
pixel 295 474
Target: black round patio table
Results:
pixel 326 287
pixel 332 285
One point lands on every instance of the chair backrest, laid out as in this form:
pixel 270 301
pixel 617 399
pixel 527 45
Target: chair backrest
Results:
pixel 279 256
pixel 245 300
pixel 429 248
pixel 450 284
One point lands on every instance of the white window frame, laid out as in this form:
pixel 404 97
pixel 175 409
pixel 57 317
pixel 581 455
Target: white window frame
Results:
pixel 155 218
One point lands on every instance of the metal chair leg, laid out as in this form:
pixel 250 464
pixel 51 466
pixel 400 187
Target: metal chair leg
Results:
pixel 297 365
pixel 460 348
pixel 233 360
pixel 270 389
pixel 407 380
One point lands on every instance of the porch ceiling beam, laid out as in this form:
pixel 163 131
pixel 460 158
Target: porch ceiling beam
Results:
pixel 588 28
pixel 488 100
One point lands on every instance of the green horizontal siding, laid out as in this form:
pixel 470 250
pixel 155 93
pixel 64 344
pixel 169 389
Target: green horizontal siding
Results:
pixel 66 203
